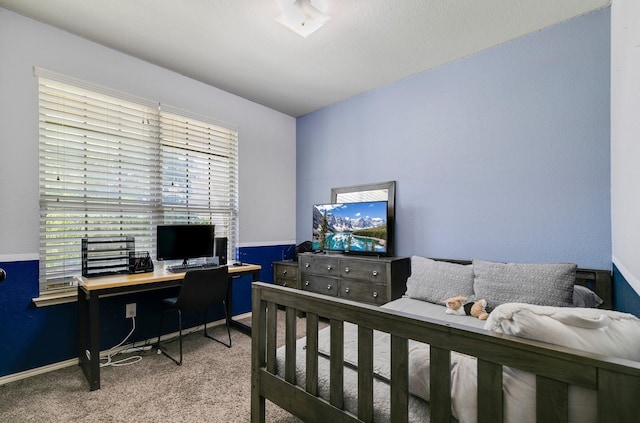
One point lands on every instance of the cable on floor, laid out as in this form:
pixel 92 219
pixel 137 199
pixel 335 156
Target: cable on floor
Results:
pixel 125 361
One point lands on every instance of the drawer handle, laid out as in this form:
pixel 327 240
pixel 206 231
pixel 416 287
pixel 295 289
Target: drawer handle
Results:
pixel 306 283
pixel 284 272
pixel 375 294
pixel 346 269
pixel 375 273
pixel 306 265
pixel 346 290
pixel 328 267
pixel 329 287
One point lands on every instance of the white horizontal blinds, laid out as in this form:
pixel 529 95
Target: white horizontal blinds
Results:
pixel 199 163
pixel 359 196
pixel 99 173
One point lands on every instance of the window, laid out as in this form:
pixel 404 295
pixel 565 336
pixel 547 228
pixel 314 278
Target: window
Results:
pixel 112 165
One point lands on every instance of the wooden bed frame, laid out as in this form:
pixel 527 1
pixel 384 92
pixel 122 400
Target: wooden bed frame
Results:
pixel 616 381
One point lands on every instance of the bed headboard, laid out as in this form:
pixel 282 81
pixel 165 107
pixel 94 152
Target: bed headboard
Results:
pixel 599 281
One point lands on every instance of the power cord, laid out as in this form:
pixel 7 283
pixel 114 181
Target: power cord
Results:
pixel 125 361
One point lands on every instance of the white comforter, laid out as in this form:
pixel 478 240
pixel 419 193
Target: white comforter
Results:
pixel 598 331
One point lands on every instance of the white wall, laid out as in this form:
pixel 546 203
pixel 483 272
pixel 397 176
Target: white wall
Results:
pixel 266 137
pixel 625 138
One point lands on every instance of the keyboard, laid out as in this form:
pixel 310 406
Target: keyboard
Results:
pixel 179 268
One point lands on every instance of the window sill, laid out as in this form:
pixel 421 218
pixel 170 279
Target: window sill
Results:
pixel 56 298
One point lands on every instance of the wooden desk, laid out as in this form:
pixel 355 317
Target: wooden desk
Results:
pixel 90 290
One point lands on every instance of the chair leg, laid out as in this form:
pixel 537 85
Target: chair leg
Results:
pixel 228 345
pixel 227 320
pixel 160 328
pixel 163 349
pixel 180 334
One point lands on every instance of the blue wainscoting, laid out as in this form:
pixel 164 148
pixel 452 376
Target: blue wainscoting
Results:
pixel 264 256
pixel 625 297
pixel 33 337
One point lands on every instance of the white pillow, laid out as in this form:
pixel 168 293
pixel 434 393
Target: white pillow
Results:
pixel 435 281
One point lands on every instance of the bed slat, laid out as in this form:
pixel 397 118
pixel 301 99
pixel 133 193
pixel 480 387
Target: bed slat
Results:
pixel 552 400
pixel 290 345
pixel 365 374
pixel 399 379
pixel 272 332
pixel 440 385
pixel 490 401
pixel 336 395
pixel 618 397
pixel 312 354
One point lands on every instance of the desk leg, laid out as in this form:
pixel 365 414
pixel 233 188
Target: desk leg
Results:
pixel 94 341
pixel 83 361
pixel 88 322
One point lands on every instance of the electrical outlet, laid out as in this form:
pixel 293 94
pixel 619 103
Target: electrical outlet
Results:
pixel 130 310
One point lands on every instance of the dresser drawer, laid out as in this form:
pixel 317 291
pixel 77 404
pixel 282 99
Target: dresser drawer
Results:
pixel 320 265
pixel 320 284
pixel 290 283
pixel 371 271
pixel 285 274
pixel 375 294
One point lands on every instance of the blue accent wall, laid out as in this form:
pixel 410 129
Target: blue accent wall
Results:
pixel 32 337
pixel 503 155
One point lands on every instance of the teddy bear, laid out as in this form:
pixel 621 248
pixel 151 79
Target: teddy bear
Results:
pixel 457 305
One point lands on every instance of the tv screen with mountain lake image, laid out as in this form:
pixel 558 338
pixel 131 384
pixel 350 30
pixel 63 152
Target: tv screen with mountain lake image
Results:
pixel 351 227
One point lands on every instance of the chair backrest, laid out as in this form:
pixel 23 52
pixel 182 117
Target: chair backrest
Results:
pixel 203 288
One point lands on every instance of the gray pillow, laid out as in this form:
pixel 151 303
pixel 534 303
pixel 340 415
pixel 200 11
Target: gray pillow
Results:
pixel 584 297
pixel 435 281
pixel 549 284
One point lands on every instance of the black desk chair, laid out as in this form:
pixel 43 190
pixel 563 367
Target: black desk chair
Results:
pixel 200 290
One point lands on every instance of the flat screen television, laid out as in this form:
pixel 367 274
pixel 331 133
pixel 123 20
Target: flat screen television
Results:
pixel 184 242
pixel 359 228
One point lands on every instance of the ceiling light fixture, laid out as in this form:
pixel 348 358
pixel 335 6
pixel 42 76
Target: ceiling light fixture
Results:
pixel 303 16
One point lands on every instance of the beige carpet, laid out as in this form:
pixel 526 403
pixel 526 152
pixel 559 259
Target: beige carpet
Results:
pixel 212 385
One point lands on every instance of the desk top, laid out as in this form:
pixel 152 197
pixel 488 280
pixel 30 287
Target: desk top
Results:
pixel 160 274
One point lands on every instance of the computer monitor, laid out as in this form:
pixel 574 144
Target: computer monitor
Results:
pixel 184 242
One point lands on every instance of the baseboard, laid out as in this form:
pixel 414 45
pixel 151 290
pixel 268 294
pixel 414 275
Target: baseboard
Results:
pixel 38 371
pixel 241 316
pixel 74 361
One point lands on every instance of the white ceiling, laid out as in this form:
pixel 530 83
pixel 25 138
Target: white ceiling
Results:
pixel 236 45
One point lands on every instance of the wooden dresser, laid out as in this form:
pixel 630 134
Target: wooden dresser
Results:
pixel 372 280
